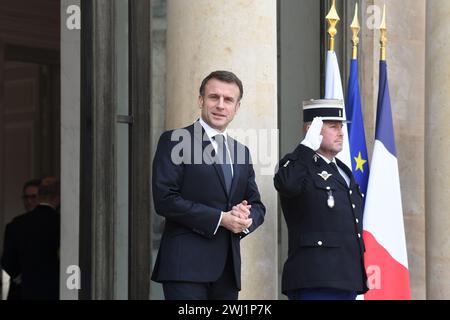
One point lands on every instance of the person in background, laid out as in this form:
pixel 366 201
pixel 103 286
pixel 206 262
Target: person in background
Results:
pixel 30 192
pixel 31 246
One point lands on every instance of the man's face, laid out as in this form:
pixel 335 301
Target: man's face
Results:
pixel 30 198
pixel 220 103
pixel 333 138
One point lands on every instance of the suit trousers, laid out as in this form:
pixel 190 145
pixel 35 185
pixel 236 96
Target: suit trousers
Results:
pixel 223 288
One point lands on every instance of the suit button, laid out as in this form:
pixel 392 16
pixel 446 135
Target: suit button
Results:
pixel 328 188
pixel 350 192
pixel 359 235
pixel 319 243
pixel 357 221
pixel 353 206
pixel 363 195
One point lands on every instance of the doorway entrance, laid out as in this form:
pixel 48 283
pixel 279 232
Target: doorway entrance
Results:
pixel 29 102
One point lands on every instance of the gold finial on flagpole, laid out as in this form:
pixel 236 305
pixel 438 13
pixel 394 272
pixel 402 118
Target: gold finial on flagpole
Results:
pixel 355 30
pixel 383 38
pixel 332 19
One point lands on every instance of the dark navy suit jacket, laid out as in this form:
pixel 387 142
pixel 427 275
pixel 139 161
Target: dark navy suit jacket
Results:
pixel 31 250
pixel 190 193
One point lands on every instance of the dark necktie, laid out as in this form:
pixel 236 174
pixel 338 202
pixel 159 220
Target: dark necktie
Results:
pixel 223 160
pixel 334 166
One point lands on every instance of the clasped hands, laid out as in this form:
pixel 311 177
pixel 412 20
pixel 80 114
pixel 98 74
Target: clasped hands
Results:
pixel 238 218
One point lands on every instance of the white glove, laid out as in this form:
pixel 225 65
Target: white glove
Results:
pixel 313 138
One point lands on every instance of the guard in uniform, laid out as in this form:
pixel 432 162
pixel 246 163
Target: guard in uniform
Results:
pixel 322 205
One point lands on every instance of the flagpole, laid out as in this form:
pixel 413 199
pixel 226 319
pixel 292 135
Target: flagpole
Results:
pixel 332 19
pixel 333 82
pixel 383 38
pixel 355 30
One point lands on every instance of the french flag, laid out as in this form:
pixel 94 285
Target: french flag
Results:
pixel 384 233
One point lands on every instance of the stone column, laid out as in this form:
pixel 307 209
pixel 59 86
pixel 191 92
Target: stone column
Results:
pixel 436 149
pixel 240 36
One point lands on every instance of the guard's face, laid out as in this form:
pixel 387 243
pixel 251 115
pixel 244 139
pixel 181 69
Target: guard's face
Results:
pixel 333 138
pixel 220 103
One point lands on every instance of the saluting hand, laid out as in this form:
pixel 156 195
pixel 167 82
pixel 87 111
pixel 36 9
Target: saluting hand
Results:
pixel 313 138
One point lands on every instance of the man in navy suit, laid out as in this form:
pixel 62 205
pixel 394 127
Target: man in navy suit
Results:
pixel 204 185
pixel 322 205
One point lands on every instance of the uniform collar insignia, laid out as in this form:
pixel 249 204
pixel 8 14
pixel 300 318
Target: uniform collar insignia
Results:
pixel 315 157
pixel 325 175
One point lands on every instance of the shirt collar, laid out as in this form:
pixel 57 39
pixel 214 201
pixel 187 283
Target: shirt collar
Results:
pixel 46 204
pixel 211 132
pixel 327 160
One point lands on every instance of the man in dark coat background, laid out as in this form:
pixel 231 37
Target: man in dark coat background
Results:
pixel 30 194
pixel 31 247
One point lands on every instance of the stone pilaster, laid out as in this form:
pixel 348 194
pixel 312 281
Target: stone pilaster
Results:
pixel 436 149
pixel 240 36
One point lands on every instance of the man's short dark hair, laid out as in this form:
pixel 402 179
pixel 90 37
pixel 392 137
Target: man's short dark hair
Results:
pixel 225 76
pixel 31 183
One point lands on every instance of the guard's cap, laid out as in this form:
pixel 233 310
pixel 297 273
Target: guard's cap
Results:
pixel 328 109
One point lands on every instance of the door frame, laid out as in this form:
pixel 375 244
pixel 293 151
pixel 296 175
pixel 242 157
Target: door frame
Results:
pixel 140 141
pixel 98 164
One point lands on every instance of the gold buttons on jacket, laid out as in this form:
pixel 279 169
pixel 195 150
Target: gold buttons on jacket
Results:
pixel 353 206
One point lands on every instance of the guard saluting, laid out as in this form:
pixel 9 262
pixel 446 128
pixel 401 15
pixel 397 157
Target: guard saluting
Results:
pixel 322 205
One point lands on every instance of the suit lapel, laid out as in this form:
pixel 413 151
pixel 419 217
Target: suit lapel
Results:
pixel 339 177
pixel 347 171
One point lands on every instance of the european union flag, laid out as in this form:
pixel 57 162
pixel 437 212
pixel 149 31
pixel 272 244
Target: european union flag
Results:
pixel 357 136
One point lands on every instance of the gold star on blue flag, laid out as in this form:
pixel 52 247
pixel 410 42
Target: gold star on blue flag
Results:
pixel 357 135
pixel 359 163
